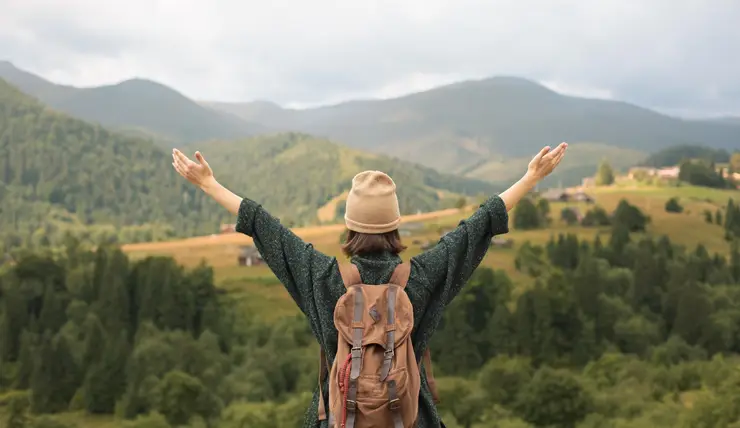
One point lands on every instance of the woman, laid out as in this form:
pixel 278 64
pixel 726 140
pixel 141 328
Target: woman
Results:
pixel 372 216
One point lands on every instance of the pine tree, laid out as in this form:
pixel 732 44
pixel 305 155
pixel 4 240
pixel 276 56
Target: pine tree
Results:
pixel 42 378
pixel 605 174
pixel 105 381
pixel 693 314
pixel 55 375
pixel 618 241
pixel 176 305
pixel 587 286
pixel 500 335
pixel 26 359
pixel 543 207
pixel 113 304
pixel 95 341
pixel 15 319
pixel 735 261
pixel 526 215
pixel 52 315
pixel 732 219
pixel 646 287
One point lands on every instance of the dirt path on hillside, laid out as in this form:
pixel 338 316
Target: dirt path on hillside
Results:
pixel 328 212
pixel 240 239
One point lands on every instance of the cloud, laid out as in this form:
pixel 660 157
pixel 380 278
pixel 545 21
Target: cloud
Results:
pixel 674 55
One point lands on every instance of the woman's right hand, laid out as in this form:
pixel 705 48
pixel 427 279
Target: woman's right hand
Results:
pixel 198 173
pixel 545 161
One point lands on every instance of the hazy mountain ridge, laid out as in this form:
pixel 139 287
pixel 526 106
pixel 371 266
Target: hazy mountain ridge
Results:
pixel 482 129
pixel 460 127
pixel 138 105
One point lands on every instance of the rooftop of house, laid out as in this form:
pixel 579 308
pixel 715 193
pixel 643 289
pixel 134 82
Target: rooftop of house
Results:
pixel 249 251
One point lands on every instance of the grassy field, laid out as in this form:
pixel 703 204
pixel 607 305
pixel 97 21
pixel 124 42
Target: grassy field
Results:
pixel 258 290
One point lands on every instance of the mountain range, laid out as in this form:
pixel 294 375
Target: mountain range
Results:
pixel 489 128
pixel 60 174
pixel 485 129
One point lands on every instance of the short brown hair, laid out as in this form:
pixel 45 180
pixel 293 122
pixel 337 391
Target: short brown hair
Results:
pixel 362 243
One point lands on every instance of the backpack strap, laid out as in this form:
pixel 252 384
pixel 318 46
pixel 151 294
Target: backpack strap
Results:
pixel 390 344
pixel 399 279
pixel 400 276
pixel 350 275
pixel 430 375
pixel 356 351
pixel 394 404
pixel 323 369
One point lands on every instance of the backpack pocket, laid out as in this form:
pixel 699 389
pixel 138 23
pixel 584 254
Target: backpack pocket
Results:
pixel 374 401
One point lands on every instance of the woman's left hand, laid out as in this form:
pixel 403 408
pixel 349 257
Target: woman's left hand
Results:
pixel 198 173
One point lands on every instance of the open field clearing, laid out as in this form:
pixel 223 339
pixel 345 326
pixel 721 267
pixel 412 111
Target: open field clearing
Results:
pixel 259 290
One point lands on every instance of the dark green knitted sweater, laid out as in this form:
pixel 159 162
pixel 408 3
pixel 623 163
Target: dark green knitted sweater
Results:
pixel 314 282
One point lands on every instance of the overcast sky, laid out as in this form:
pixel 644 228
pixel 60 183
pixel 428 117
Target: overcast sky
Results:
pixel 679 56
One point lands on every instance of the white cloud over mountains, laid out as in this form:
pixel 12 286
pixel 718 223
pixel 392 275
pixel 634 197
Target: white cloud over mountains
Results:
pixel 678 55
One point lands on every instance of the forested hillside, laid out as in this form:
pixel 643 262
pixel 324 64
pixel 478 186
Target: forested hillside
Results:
pixel 60 174
pixel 622 331
pixel 674 155
pixel 298 173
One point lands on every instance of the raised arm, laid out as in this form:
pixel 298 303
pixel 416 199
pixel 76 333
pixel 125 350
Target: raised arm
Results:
pixel 295 263
pixel 450 263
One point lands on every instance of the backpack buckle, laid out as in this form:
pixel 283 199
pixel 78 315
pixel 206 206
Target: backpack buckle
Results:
pixel 395 404
pixel 388 354
pixel 356 352
pixel 351 405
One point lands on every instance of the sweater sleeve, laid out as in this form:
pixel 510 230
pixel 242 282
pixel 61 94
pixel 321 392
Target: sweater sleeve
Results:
pixel 294 262
pixel 447 266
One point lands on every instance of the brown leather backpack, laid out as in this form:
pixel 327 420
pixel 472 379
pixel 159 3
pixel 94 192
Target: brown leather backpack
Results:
pixel 374 380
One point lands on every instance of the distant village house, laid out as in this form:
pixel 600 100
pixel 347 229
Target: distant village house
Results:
pixel 560 195
pixel 639 172
pixel 582 197
pixel 735 176
pixel 500 242
pixel 428 245
pixel 669 173
pixel 406 229
pixel 555 195
pixel 249 256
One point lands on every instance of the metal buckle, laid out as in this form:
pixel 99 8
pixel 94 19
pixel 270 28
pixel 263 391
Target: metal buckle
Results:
pixel 351 405
pixel 356 352
pixel 395 404
pixel 388 354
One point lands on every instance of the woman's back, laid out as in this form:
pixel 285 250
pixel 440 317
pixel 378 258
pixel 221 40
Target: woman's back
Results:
pixel 372 217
